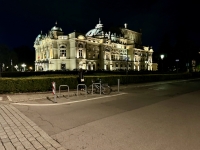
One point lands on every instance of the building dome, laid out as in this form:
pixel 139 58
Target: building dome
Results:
pixel 39 38
pixel 96 31
pixel 55 28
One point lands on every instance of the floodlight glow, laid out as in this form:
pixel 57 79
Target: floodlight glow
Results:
pixel 162 56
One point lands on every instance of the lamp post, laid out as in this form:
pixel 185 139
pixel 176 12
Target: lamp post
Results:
pixel 11 65
pixel 177 60
pixel 162 57
pixel 23 65
pixel 126 61
pixel 0 69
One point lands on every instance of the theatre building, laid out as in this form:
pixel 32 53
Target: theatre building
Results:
pixel 95 50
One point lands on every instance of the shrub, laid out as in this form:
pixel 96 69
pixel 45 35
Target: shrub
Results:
pixel 41 84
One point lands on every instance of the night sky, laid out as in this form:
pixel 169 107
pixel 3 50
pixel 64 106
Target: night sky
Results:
pixel 23 20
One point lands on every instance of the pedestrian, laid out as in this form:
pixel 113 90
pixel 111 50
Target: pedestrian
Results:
pixel 81 79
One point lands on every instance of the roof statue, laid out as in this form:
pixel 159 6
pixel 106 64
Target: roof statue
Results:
pixel 97 31
pixel 55 28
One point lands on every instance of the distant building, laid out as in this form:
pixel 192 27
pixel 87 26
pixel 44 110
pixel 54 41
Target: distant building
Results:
pixel 96 50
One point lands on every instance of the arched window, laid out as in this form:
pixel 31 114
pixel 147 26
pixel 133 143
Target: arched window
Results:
pixel 62 51
pixel 80 53
pixel 80 45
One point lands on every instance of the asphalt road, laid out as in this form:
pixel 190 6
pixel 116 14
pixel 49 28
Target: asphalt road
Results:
pixel 165 116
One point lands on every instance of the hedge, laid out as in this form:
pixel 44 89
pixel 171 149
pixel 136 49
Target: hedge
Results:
pixel 41 84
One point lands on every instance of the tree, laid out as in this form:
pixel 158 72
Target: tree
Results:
pixel 4 56
pixel 25 55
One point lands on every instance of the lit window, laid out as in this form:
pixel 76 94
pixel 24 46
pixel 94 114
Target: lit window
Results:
pixel 80 53
pixel 62 53
pixel 107 57
pixel 113 57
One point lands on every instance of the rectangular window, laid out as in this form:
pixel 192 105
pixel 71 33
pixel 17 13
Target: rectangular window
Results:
pixel 113 57
pixel 80 53
pixel 107 57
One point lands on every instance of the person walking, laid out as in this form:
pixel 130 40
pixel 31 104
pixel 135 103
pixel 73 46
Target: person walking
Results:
pixel 81 79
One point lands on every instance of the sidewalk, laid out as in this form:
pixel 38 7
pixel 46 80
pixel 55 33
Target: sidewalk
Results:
pixel 17 132
pixel 22 97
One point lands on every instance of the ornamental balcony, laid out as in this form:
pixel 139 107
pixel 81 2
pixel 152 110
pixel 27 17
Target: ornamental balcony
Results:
pixel 62 57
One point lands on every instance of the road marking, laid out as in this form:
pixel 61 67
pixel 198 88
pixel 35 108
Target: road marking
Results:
pixel 1 98
pixel 9 98
pixel 77 101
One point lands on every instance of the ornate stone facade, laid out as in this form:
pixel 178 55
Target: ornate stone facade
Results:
pixel 96 50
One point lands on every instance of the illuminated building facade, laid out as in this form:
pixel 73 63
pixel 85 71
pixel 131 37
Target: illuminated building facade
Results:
pixel 96 50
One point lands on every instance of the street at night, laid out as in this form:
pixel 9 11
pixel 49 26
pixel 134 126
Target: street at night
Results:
pixel 99 75
pixel 142 116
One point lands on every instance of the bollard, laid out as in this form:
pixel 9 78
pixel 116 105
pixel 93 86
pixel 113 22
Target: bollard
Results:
pixel 118 83
pixel 54 91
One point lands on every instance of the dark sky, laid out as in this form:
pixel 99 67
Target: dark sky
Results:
pixel 23 20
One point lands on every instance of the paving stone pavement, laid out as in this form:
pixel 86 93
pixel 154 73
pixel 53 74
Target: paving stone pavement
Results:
pixel 17 132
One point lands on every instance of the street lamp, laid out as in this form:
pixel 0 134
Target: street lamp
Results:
pixel 177 60
pixel 16 67
pixel 162 57
pixel 30 68
pixel 23 65
pixel 11 65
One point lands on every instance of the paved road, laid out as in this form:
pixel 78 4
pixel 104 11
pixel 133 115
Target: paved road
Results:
pixel 165 116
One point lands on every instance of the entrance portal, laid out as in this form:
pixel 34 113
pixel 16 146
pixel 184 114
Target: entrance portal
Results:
pixel 63 67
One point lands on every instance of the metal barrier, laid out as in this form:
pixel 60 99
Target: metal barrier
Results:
pixel 64 86
pixel 85 89
pixel 96 84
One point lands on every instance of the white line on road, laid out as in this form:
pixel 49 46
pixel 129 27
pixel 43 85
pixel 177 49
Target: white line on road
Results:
pixel 9 98
pixel 78 101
